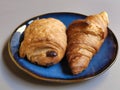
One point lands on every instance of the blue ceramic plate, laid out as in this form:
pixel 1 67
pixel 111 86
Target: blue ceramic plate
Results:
pixel 60 72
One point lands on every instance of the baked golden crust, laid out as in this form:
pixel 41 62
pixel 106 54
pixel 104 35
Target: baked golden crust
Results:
pixel 85 38
pixel 44 41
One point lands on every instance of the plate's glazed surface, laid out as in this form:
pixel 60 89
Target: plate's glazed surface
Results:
pixel 61 72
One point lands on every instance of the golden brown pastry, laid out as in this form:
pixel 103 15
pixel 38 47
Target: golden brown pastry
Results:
pixel 44 42
pixel 85 38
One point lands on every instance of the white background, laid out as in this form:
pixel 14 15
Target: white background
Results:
pixel 14 12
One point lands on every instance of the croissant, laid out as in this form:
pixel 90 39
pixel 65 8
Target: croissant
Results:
pixel 85 38
pixel 44 42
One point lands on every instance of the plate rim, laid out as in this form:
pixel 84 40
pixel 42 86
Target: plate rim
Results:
pixel 56 79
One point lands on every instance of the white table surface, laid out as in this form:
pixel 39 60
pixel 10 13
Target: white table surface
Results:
pixel 14 12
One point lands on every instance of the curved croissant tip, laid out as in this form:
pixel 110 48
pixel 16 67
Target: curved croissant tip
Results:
pixel 104 14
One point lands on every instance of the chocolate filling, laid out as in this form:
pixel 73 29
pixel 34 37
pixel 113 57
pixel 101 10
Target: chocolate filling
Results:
pixel 51 54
